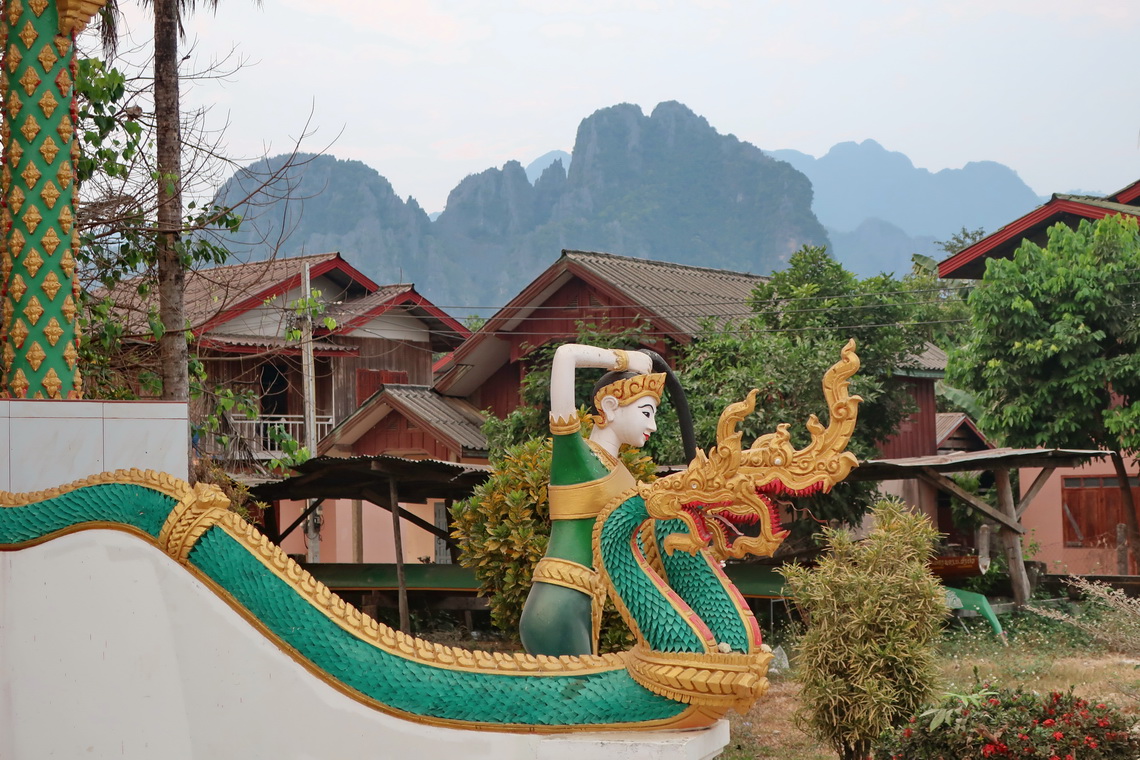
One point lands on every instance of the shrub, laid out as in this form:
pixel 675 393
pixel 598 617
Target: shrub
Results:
pixel 873 610
pixel 1113 618
pixel 1003 723
pixel 503 528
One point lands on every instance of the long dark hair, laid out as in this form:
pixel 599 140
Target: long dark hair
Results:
pixel 676 396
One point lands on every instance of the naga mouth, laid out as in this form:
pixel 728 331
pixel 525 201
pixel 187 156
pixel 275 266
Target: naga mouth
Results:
pixel 718 520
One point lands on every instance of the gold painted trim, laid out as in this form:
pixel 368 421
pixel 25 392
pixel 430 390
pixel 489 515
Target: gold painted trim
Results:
pixel 190 519
pixel 716 680
pixel 585 500
pixel 395 642
pixel 158 481
pixel 565 425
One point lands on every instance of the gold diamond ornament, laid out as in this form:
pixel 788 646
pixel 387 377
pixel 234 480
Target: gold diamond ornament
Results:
pixel 65 175
pixel 19 384
pixel 19 333
pixel 67 264
pixel 18 288
pixel 15 152
pixel 69 309
pixel 32 218
pixel 28 34
pixel 48 103
pixel 71 355
pixel 50 193
pixel 51 285
pixel 31 176
pixel 48 58
pixel 51 241
pixel 16 243
pixel 14 106
pixel 65 219
pixel 38 6
pixel 31 128
pixel 15 8
pixel 33 311
pixel 14 58
pixel 52 383
pixel 9 354
pixel 63 45
pixel 32 262
pixel 35 356
pixel 53 331
pixel 16 197
pixel 65 129
pixel 63 81
pixel 30 80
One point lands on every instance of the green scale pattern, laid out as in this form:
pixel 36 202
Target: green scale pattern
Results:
pixel 689 575
pixel 487 698
pixel 133 505
pixel 663 629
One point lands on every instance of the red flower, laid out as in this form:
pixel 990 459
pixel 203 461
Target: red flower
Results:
pixel 1090 742
pixel 907 733
pixel 995 701
pixel 989 749
pixel 1049 722
pixel 1102 722
pixel 1058 735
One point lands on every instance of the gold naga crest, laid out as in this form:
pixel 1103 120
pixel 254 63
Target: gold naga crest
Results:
pixel 730 490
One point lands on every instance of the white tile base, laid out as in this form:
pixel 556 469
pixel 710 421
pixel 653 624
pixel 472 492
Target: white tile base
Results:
pixel 44 444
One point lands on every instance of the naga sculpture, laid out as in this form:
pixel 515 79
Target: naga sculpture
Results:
pixel 655 549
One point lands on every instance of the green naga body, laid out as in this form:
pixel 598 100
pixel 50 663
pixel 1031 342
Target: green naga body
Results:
pixel 654 548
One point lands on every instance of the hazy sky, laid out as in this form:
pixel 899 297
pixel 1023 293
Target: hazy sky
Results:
pixel 429 91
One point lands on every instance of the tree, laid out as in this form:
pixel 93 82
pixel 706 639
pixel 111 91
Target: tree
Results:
pixel 800 319
pixel 1053 354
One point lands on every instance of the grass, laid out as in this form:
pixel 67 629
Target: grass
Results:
pixel 1042 655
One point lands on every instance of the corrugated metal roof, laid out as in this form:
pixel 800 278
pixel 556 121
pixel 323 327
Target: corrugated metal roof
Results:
pixel 965 461
pixel 269 342
pixel 684 295
pixel 945 423
pixel 349 310
pixel 454 417
pixel 931 359
pixel 209 292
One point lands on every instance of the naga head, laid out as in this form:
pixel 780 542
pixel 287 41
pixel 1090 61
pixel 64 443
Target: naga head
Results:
pixel 727 497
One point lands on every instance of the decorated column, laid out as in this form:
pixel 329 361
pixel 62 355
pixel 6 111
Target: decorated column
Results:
pixel 39 331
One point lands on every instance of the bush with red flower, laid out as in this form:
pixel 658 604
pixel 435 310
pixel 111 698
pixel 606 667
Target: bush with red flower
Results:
pixel 1016 724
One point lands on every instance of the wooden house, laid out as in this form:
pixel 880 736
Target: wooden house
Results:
pixel 1073 521
pixel 241 316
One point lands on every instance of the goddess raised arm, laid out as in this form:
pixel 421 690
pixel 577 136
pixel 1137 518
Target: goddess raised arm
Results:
pixel 562 615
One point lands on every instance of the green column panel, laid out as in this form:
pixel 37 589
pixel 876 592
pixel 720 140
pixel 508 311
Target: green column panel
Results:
pixel 39 331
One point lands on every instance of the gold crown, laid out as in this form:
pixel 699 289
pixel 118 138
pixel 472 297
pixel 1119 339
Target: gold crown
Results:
pixel 632 388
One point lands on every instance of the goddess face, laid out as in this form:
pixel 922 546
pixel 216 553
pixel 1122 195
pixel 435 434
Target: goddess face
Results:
pixel 633 423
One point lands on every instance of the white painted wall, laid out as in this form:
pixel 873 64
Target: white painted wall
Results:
pixel 111 649
pixel 47 443
pixel 394 326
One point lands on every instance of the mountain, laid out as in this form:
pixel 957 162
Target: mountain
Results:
pixel 666 186
pixel 536 167
pixel 858 182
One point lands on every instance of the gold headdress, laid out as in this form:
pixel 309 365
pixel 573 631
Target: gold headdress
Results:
pixel 628 390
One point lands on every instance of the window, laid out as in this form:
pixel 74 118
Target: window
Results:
pixel 1091 509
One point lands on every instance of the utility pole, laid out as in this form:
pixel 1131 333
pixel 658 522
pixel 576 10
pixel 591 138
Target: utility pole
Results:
pixel 308 389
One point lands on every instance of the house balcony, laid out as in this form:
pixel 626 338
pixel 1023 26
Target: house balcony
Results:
pixel 256 439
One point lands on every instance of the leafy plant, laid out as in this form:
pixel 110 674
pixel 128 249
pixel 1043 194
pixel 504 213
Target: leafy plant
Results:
pixel 1002 723
pixel 873 611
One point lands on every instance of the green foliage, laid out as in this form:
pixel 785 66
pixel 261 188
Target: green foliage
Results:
pixel 1002 723
pixel 1053 354
pixel 109 134
pixel 873 612
pixel 503 528
pixel 802 318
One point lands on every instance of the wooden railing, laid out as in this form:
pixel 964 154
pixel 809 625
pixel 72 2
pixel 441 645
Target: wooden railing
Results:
pixel 254 438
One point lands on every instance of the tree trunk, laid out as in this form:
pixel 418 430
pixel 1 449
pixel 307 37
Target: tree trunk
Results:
pixel 171 274
pixel 1128 506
